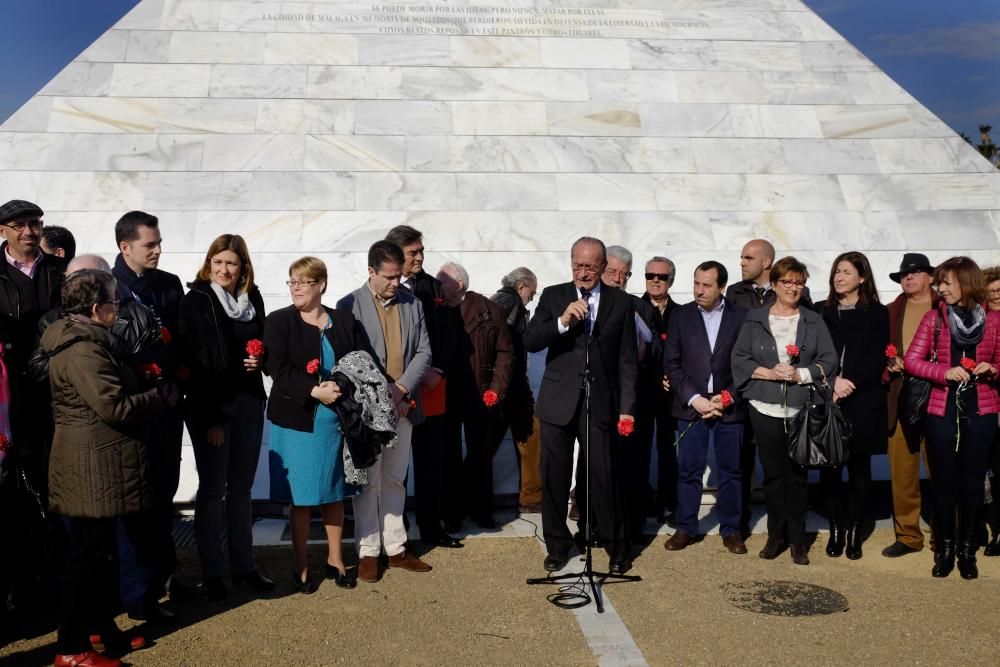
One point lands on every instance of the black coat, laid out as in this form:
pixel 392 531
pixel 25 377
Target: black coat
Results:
pixel 442 328
pixel 213 355
pixel 860 337
pixel 613 356
pixel 290 344
pixel 161 292
pixel 742 294
pixel 690 361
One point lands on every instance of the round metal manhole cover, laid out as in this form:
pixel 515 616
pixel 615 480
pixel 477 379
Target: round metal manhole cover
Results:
pixel 785 598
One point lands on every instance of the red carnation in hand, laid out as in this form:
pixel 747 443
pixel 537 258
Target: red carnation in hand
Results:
pixel 792 350
pixel 726 398
pixel 968 364
pixel 165 336
pixel 626 427
pixel 490 398
pixel 255 347
pixel 312 366
pixel 183 373
pixel 151 371
pixel 891 352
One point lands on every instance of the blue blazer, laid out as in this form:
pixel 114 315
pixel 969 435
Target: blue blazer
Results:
pixel 689 360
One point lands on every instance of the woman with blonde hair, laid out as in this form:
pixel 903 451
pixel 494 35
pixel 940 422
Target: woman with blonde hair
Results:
pixel 221 322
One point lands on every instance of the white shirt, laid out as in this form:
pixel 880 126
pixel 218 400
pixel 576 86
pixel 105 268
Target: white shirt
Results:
pixel 593 303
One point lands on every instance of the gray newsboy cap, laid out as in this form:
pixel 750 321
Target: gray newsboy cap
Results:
pixel 18 208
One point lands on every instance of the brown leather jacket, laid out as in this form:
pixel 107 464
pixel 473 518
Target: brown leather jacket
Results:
pixel 485 352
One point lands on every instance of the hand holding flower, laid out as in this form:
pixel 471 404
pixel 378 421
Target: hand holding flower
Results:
pixel 626 425
pixel 490 398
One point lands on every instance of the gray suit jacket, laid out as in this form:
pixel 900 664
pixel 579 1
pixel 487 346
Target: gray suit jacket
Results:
pixel 416 344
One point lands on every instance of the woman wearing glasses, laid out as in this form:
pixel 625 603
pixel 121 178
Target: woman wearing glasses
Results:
pixel 101 465
pixel 220 314
pixel 304 342
pixel 859 326
pixel 780 350
pixel 962 407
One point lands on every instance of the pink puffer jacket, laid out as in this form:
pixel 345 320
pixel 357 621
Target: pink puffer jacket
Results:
pixel 920 348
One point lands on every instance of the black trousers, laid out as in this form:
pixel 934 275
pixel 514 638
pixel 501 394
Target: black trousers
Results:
pixel 748 465
pixel 88 590
pixel 958 478
pixel 431 444
pixel 604 487
pixel 470 478
pixel 993 509
pixel 666 458
pixel 784 481
pixel 847 503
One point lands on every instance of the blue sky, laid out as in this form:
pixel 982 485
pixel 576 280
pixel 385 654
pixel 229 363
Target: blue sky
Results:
pixel 944 52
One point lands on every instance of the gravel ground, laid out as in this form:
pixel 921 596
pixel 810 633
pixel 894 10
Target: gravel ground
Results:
pixel 898 613
pixel 473 608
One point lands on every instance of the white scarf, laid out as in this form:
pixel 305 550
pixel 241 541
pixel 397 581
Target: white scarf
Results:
pixel 240 309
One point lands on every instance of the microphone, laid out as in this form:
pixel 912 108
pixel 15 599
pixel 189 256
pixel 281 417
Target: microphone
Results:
pixel 585 295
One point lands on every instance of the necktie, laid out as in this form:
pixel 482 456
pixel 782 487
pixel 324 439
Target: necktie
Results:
pixel 585 295
pixel 759 293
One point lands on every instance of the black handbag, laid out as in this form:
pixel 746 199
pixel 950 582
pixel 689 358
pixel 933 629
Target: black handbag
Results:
pixel 915 392
pixel 819 435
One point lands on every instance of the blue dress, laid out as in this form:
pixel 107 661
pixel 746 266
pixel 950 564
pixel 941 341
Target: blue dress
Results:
pixel 308 468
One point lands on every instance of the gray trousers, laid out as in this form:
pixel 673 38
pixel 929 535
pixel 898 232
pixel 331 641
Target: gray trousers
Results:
pixel 225 476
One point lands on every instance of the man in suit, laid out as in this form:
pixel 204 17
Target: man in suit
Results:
pixel 394 321
pixel 483 362
pixel 443 326
pixel 575 320
pixel 700 339
pixel 754 291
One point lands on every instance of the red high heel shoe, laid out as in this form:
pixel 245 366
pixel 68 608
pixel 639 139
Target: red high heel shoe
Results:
pixel 88 659
pixel 119 643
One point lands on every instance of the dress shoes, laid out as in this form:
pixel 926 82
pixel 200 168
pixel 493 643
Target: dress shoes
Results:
pixel 800 554
pixel 254 580
pixel 620 565
pixel 735 544
pixel 679 540
pixel 368 569
pixel 116 641
pixel 534 508
pixel 555 562
pixel 214 588
pixel 442 539
pixel 307 587
pixel 180 591
pixel 993 548
pixel 153 612
pixel 407 561
pixel 88 659
pixel 342 579
pixel 897 549
pixel 773 548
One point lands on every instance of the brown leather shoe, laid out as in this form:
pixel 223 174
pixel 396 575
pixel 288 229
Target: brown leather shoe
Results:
pixel 734 543
pixel 679 540
pixel 368 569
pixel 774 546
pixel 800 554
pixel 409 562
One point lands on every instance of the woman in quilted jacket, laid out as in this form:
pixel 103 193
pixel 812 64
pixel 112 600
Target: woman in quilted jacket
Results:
pixel 962 408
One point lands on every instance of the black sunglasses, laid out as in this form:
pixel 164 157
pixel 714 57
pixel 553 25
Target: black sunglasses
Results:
pixel 665 277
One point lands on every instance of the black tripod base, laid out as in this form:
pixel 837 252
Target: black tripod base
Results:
pixel 572 597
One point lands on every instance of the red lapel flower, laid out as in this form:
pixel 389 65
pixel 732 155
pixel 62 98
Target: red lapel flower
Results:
pixel 726 398
pixel 438 301
pixel 626 427
pixel 151 371
pixel 165 336
pixel 312 366
pixel 968 364
pixel 490 398
pixel 891 352
pixel 255 347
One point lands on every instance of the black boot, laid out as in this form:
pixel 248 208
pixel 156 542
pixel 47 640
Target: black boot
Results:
pixel 968 542
pixel 993 521
pixel 854 539
pixel 835 546
pixel 944 543
pixel 993 548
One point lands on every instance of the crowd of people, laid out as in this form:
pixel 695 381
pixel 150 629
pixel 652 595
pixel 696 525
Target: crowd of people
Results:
pixel 104 366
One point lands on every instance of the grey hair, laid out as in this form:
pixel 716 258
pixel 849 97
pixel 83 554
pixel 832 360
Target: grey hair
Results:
pixel 522 275
pixel 95 262
pixel 590 240
pixel 673 267
pixel 620 253
pixel 457 272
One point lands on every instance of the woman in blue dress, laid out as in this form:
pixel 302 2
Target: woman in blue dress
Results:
pixel 302 344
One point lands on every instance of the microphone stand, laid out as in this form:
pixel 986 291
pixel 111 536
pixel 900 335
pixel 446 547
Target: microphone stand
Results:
pixel 566 598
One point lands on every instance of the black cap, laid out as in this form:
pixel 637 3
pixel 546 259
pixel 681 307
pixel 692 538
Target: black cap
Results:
pixel 18 208
pixel 912 261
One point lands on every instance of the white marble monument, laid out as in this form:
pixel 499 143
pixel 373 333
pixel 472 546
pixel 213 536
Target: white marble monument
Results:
pixel 503 129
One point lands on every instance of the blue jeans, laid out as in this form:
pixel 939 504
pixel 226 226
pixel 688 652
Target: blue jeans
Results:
pixel 692 454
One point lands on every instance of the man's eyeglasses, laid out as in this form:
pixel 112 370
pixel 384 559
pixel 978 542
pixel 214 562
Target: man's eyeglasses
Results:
pixel 20 225
pixel 665 277
pixel 588 268
pixel 791 284
pixel 611 273
pixel 300 283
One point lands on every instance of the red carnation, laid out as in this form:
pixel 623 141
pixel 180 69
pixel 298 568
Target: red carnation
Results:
pixel 438 301
pixel 255 347
pixel 312 366
pixel 626 427
pixel 490 398
pixel 663 336
pixel 792 350
pixel 968 364
pixel 891 352
pixel 151 371
pixel 165 336
pixel 183 373
pixel 726 398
